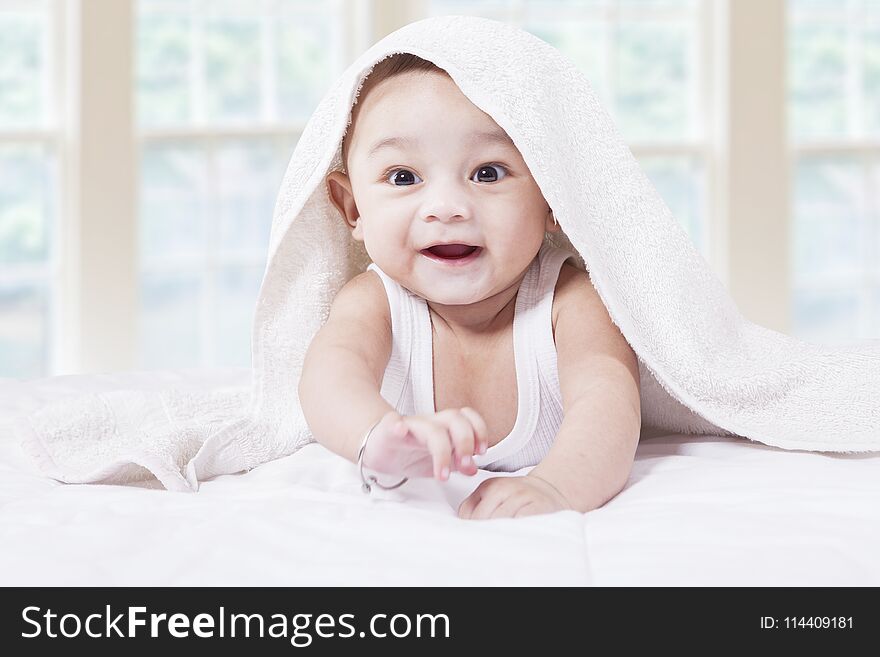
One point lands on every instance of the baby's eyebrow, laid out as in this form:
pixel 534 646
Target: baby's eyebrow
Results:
pixel 476 138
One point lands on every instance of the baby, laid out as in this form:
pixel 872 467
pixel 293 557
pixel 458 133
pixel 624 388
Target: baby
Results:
pixel 455 225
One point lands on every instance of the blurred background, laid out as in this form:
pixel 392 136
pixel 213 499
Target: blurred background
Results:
pixel 142 144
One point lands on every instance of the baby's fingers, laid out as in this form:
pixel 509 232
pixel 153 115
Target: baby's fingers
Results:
pixel 461 433
pixel 466 508
pixel 481 431
pixel 436 439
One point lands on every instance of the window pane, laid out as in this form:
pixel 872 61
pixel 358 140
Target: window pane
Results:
pixel 872 77
pixel 233 309
pixel 817 80
pixel 834 69
pixel 818 8
pixel 585 43
pixel 24 66
pixel 875 319
pixel 654 78
pixel 174 203
pixel 232 70
pixel 24 330
pixel 235 62
pixel 249 173
pixel 830 220
pixel 680 180
pixel 28 188
pixel 874 222
pixel 306 44
pixel 164 69
pixel 674 5
pixel 170 320
pixel 28 191
pixel 206 206
pixel 496 9
pixel 829 317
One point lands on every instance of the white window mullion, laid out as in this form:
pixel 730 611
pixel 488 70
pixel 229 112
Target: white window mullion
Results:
pixel 62 328
pixel 757 175
pixel 208 275
pixel 866 291
pixel 99 254
pixel 359 26
pixel 855 118
pixel 874 219
pixel 696 56
pixel 269 110
pixel 710 54
pixel 518 11
pixel 609 43
pixel 197 66
pixel 391 15
pixel 47 83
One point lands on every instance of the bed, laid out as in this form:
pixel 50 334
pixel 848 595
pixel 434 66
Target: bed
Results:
pixel 697 510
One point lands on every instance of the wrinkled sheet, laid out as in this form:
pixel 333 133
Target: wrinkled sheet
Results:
pixel 697 510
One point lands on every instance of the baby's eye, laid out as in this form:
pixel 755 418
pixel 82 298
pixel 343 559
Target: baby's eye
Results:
pixel 490 170
pixel 404 177
pixel 400 176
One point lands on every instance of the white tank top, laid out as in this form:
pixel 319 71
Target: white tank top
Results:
pixel 408 383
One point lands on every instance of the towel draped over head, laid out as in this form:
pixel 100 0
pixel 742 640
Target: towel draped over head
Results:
pixel 704 368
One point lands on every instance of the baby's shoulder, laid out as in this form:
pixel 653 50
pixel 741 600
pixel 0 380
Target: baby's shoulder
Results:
pixel 363 296
pixel 572 281
pixel 367 284
pixel 568 273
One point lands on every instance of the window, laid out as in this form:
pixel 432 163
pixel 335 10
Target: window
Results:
pixel 834 130
pixel 29 186
pixel 646 62
pixel 223 91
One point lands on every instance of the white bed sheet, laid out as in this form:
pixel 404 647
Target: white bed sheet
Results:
pixel 697 510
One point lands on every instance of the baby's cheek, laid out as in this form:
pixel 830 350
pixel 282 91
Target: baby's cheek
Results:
pixel 379 244
pixel 398 261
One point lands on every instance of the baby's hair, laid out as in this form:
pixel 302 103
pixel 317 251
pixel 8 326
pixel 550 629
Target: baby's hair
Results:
pixel 396 64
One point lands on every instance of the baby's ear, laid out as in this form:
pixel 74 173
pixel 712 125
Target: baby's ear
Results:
pixel 342 197
pixel 551 225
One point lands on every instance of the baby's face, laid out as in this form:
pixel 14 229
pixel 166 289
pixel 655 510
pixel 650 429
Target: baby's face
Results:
pixel 442 181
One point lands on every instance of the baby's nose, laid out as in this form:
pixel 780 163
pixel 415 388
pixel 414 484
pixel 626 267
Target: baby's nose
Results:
pixel 446 210
pixel 446 199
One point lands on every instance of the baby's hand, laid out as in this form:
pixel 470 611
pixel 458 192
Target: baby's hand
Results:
pixel 512 497
pixel 433 444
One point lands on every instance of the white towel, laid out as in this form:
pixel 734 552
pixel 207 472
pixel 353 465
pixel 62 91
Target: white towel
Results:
pixel 704 367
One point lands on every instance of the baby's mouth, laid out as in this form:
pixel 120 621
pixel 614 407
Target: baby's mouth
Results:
pixel 450 251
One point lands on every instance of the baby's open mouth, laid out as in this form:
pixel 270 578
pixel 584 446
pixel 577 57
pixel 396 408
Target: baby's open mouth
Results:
pixel 450 251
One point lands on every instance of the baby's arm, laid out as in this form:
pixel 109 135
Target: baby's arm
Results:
pixel 339 392
pixel 592 455
pixel 344 366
